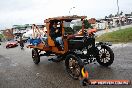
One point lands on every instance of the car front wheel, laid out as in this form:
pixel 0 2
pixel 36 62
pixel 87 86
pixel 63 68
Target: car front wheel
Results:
pixel 106 56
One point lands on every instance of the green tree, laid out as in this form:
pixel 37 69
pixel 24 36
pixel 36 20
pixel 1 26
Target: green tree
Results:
pixel 77 28
pixel 106 17
pixel 87 24
pixel 116 15
pixel 110 16
pixel 1 35
pixel 121 13
pixel 68 30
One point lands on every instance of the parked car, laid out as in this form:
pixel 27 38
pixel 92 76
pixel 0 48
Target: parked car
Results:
pixel 12 44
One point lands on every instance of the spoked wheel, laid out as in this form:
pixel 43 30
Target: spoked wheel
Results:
pixel 73 66
pixel 35 56
pixel 106 56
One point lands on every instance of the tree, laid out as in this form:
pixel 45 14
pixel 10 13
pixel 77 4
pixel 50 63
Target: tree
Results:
pixel 77 28
pixel 106 17
pixel 121 13
pixel 110 16
pixel 116 15
pixel 1 36
pixel 87 24
pixel 68 30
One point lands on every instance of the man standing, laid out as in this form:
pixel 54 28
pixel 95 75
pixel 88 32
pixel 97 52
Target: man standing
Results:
pixel 21 42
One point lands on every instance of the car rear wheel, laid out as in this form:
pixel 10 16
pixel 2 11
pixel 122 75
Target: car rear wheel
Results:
pixel 35 56
pixel 7 47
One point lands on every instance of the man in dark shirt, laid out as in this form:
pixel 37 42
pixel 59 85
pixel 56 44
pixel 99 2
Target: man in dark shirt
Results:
pixel 56 34
pixel 21 42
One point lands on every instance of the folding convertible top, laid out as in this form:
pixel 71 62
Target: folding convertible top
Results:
pixel 74 17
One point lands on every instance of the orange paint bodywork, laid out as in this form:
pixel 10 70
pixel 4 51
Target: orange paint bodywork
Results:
pixel 51 44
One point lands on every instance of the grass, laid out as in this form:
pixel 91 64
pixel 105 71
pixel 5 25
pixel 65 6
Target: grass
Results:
pixel 119 36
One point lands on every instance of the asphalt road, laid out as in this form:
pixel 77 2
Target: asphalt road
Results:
pixel 17 70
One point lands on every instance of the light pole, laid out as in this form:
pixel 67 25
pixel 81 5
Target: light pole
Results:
pixel 70 10
pixel 119 14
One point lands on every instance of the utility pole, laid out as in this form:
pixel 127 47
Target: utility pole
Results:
pixel 119 14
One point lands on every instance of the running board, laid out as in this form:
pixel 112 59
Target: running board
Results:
pixel 45 54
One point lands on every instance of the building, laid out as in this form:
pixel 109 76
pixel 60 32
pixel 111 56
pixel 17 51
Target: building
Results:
pixel 8 34
pixel 92 21
pixel 128 18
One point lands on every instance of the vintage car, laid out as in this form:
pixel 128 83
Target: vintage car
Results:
pixel 79 48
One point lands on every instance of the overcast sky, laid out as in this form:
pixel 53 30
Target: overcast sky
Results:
pixel 35 11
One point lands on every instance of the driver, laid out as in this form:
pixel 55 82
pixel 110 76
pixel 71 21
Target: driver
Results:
pixel 56 34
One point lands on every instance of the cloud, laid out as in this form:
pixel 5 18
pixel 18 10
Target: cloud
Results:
pixel 35 11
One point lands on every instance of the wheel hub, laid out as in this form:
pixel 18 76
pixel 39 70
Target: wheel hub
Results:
pixel 103 55
pixel 73 65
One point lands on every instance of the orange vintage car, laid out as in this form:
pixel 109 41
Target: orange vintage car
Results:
pixel 75 46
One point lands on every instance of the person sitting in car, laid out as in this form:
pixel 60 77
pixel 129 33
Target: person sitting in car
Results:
pixel 56 34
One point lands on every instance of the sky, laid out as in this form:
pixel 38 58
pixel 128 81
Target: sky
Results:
pixel 15 12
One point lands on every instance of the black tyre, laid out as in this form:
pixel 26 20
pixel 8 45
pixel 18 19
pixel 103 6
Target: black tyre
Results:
pixel 7 47
pixel 106 56
pixel 25 41
pixel 73 66
pixel 35 56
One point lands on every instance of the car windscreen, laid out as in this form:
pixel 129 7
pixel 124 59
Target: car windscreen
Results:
pixel 73 26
